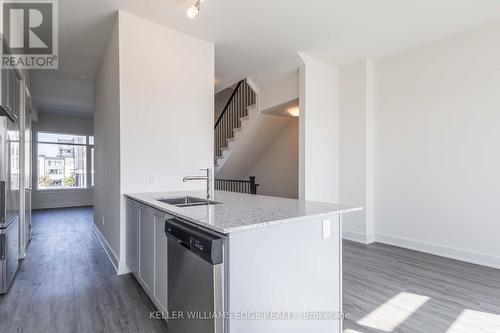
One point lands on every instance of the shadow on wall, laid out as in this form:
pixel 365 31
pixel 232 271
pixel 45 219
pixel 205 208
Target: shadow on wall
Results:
pixel 221 99
pixel 277 170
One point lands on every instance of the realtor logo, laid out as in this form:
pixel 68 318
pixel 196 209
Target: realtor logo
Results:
pixel 30 38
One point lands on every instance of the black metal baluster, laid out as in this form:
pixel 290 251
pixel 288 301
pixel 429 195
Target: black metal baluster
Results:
pixel 246 101
pixel 237 111
pixel 235 108
pixel 243 103
pixel 228 128
pixel 230 118
pixel 238 121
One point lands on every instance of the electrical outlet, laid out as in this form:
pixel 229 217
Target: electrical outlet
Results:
pixel 153 179
pixel 102 220
pixel 327 230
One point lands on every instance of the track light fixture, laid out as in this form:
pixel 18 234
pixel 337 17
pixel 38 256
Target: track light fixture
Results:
pixel 194 9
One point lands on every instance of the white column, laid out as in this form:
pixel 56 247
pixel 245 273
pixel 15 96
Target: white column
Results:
pixel 319 131
pixel 357 123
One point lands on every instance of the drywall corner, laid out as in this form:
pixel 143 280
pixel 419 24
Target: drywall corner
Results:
pixel 107 144
pixel 357 122
pixel 319 130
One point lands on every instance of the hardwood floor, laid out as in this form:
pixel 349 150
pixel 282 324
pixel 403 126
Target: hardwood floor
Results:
pixel 389 289
pixel 67 284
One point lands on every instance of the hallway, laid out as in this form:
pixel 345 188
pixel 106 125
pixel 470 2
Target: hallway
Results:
pixel 67 283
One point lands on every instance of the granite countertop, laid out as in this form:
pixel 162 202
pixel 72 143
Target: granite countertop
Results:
pixel 240 212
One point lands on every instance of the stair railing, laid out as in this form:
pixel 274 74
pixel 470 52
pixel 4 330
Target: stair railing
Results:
pixel 236 108
pixel 240 186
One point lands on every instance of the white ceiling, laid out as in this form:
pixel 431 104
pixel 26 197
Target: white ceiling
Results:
pixel 259 36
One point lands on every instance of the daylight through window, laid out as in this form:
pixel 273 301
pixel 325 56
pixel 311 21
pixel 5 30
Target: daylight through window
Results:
pixel 62 161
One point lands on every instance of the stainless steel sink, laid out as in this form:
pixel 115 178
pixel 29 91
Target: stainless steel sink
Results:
pixel 188 201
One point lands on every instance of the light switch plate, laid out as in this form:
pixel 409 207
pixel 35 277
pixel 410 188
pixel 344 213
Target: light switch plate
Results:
pixel 327 229
pixel 153 179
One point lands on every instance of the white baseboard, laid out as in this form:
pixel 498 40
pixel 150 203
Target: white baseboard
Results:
pixel 120 266
pixel 107 248
pixel 123 268
pixel 62 205
pixel 358 237
pixel 443 251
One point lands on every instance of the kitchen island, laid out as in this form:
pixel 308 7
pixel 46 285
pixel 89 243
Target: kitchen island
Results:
pixel 279 269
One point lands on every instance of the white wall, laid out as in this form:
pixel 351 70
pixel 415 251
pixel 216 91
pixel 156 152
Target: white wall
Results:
pixel 107 144
pixel 437 139
pixel 283 91
pixel 60 198
pixel 357 149
pixel 277 170
pixel 319 131
pixel 171 98
pixel 166 108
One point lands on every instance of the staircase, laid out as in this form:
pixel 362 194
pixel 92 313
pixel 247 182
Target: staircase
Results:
pixel 251 142
pixel 243 133
pixel 240 110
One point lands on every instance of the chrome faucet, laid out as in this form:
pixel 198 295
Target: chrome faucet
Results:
pixel 210 182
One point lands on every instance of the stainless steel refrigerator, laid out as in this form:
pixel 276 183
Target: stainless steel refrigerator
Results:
pixel 26 229
pixel 9 199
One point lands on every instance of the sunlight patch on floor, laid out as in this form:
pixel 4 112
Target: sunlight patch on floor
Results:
pixel 475 321
pixel 395 311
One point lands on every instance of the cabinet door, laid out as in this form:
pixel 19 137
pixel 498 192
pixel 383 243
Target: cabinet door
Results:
pixel 11 95
pixel 160 289
pixel 10 91
pixel 5 86
pixel 15 94
pixel 146 248
pixel 133 237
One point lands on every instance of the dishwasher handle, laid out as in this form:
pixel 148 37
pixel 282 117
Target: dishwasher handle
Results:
pixel 205 245
pixel 183 244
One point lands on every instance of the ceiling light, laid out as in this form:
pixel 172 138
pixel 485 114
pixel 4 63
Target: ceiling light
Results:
pixel 194 10
pixel 295 111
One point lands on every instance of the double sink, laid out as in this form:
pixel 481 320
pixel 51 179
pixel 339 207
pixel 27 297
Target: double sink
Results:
pixel 188 201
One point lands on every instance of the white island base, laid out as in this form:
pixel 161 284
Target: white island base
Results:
pixel 282 262
pixel 290 272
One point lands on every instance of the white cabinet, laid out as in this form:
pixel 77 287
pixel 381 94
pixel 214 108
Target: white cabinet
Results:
pixel 133 216
pixel 133 236
pixel 146 247
pixel 160 289
pixel 147 250
pixel 9 100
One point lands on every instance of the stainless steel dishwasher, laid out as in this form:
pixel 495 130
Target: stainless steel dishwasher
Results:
pixel 195 279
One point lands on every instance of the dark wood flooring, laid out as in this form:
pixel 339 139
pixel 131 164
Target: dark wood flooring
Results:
pixel 67 284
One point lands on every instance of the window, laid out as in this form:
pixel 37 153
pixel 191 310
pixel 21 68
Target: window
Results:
pixel 91 146
pixel 92 166
pixel 62 161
